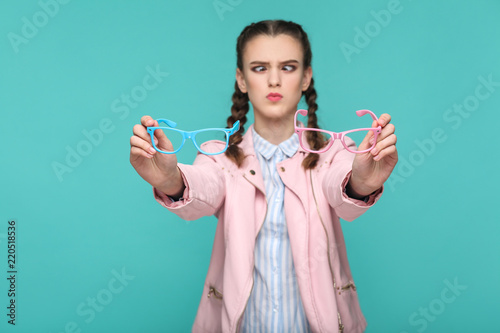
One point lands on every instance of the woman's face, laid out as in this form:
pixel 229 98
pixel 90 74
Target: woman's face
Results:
pixel 273 76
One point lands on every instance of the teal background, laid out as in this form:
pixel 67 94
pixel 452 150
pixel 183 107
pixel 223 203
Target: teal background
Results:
pixel 435 223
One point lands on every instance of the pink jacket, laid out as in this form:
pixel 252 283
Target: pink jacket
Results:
pixel 314 201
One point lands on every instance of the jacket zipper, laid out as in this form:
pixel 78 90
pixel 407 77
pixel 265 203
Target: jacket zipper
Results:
pixel 212 291
pixel 349 285
pixel 253 281
pixel 341 327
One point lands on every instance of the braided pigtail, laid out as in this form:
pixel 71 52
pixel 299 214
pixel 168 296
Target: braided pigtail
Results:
pixel 315 139
pixel 239 111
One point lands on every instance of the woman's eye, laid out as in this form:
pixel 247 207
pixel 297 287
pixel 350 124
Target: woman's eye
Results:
pixel 259 68
pixel 289 68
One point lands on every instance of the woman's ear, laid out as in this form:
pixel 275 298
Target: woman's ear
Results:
pixel 306 81
pixel 241 81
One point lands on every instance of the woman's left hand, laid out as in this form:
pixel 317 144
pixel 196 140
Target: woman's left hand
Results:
pixel 370 170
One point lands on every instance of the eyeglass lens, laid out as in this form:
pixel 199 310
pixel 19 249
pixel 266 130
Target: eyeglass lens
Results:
pixel 356 136
pixel 176 138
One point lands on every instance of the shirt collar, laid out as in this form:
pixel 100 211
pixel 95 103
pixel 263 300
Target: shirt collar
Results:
pixel 289 147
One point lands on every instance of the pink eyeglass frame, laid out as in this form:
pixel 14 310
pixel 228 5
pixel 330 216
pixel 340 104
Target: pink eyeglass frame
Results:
pixel 376 131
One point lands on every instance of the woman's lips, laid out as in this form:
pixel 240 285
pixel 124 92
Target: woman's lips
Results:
pixel 274 97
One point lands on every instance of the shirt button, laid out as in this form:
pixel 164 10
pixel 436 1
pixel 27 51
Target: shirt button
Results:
pixel 275 309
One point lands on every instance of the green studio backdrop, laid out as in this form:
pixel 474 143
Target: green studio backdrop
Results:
pixel 96 253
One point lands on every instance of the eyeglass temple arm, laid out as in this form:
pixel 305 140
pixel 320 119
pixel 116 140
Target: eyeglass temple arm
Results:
pixel 302 112
pixel 236 127
pixel 361 113
pixel 169 123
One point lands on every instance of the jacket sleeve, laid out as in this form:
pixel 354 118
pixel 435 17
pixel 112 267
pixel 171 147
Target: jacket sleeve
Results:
pixel 204 192
pixel 334 183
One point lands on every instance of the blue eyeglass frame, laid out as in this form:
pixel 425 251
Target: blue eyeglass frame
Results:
pixel 190 135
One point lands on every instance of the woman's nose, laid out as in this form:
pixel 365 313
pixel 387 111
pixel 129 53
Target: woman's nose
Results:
pixel 274 79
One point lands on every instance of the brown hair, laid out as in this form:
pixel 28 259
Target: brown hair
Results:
pixel 240 100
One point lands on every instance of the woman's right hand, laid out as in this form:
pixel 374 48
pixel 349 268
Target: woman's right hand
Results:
pixel 159 170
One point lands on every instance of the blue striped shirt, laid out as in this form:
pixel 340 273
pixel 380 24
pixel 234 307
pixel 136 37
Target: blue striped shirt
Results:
pixel 274 304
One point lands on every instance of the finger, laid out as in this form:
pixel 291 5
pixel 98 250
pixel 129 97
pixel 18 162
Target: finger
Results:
pixel 141 132
pixel 137 142
pixel 387 152
pixel 384 144
pixel 384 119
pixel 136 152
pixel 386 132
pixel 147 121
pixel 367 141
pixel 162 142
pixel 160 137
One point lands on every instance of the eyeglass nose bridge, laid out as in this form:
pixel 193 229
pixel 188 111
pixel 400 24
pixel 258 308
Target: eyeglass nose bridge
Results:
pixel 336 136
pixel 339 136
pixel 188 135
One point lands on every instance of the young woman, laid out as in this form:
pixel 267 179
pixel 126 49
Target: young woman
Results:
pixel 279 262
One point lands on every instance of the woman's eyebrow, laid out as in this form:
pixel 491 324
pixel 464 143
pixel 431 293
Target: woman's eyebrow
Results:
pixel 258 62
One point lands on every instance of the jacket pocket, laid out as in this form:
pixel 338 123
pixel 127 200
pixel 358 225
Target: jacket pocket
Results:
pixel 209 315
